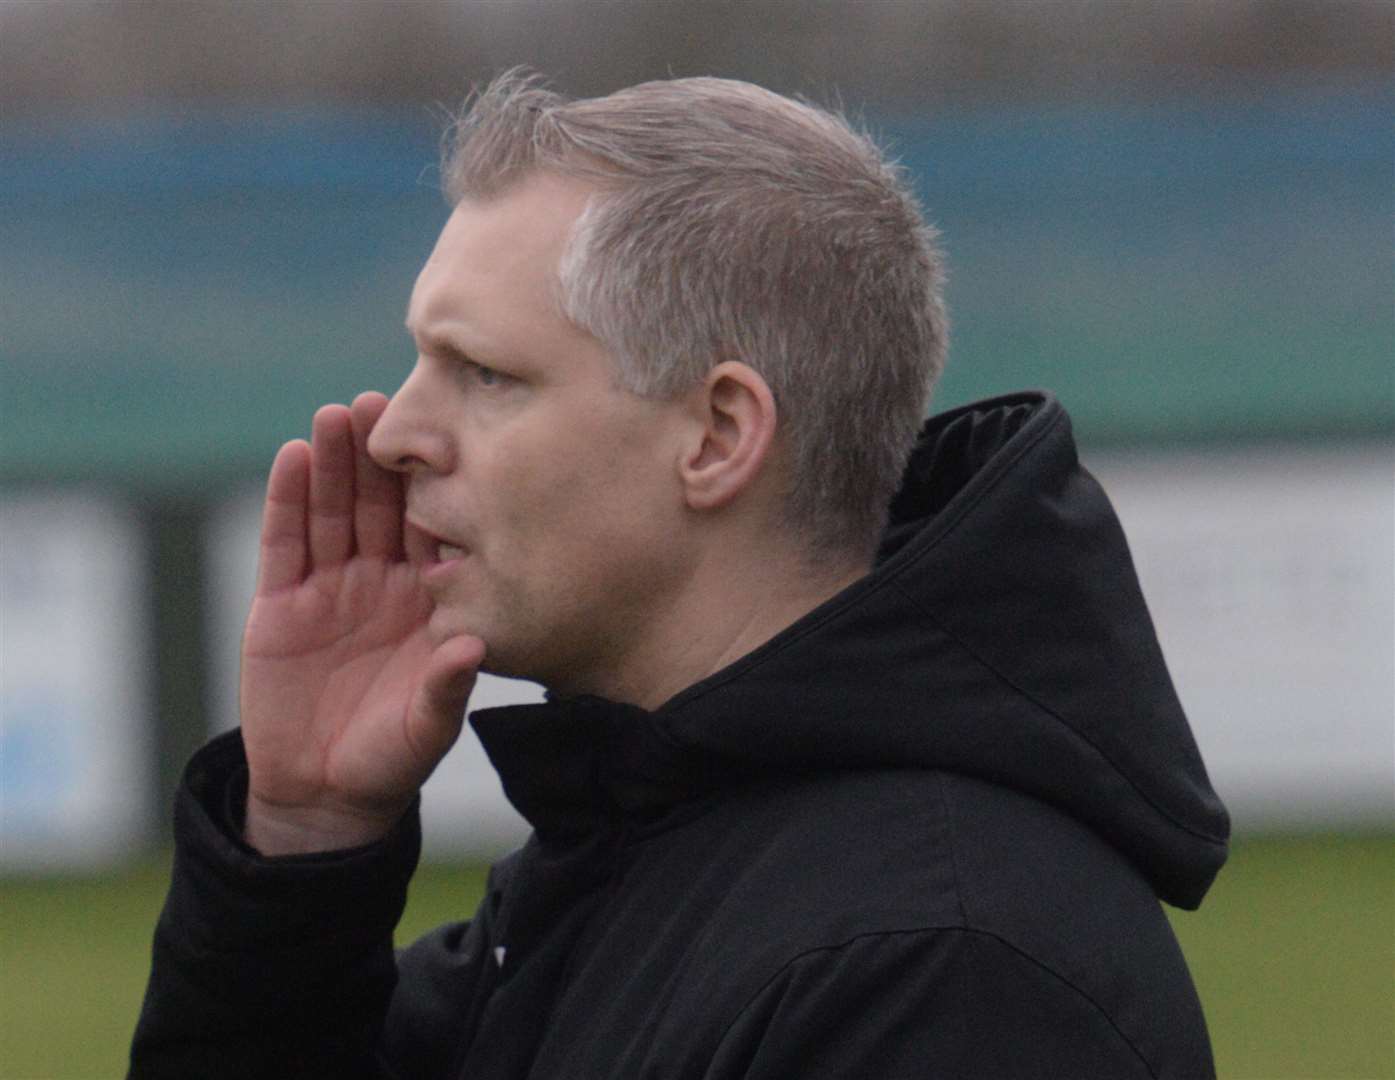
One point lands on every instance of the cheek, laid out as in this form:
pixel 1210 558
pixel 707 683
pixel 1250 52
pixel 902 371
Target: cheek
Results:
pixel 532 495
pixel 562 486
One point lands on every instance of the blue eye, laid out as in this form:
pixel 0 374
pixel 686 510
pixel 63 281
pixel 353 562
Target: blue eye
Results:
pixel 486 376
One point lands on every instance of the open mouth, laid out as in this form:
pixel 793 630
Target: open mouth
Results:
pixel 443 559
pixel 434 550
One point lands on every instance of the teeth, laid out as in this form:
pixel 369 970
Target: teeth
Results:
pixel 446 552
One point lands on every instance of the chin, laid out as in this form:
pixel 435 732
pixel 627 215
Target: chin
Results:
pixel 446 623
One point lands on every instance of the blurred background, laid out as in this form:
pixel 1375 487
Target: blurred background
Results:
pixel 1177 215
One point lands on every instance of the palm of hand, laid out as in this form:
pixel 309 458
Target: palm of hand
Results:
pixel 343 654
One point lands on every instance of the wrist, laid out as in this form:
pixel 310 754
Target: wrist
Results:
pixel 274 830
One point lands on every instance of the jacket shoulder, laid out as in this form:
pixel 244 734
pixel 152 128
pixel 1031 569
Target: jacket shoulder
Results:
pixel 888 1004
pixel 908 878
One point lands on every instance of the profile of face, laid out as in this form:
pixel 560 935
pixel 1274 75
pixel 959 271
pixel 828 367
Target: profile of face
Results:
pixel 551 494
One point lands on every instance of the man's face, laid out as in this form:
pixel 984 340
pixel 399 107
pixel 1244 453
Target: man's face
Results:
pixel 552 494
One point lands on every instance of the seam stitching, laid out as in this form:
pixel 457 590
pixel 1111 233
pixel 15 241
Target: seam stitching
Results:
pixel 988 934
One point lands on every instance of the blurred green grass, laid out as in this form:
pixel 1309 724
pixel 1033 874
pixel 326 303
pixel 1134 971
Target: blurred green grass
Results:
pixel 1293 954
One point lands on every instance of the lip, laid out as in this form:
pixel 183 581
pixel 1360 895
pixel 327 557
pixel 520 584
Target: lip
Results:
pixel 433 566
pixel 437 572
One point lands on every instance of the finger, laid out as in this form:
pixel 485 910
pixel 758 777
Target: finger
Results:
pixel 378 506
pixel 283 542
pixel 331 488
pixel 438 707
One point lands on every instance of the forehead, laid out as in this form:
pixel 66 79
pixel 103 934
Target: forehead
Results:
pixel 499 250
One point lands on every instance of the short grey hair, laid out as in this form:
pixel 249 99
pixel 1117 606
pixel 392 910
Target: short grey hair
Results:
pixel 731 222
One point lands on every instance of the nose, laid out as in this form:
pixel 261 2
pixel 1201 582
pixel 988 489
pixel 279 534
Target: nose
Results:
pixel 409 437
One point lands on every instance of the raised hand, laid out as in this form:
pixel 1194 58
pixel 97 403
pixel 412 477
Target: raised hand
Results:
pixel 346 704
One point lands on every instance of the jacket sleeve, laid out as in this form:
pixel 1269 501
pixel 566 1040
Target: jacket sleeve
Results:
pixel 938 1004
pixel 268 967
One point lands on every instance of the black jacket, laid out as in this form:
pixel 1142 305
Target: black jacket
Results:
pixel 920 833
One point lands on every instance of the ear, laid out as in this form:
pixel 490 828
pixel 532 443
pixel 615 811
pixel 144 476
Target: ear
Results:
pixel 736 418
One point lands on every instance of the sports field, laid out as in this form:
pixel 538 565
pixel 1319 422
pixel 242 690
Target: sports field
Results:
pixel 1293 953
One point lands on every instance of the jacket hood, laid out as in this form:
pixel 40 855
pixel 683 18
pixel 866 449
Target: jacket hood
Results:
pixel 1002 634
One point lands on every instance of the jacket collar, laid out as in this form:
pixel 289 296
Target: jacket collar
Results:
pixel 572 766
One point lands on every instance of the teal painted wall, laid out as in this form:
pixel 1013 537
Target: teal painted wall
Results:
pixel 180 292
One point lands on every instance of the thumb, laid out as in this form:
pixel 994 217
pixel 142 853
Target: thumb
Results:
pixel 438 706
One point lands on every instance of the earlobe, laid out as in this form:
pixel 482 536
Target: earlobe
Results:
pixel 737 419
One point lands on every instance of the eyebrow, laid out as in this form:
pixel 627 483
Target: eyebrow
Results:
pixel 479 354
pixel 438 344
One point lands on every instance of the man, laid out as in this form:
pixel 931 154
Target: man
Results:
pixel 859 759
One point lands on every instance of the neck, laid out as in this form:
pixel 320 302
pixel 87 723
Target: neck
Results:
pixel 726 610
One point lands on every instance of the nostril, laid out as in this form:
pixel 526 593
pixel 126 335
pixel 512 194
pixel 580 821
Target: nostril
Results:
pixel 417 452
